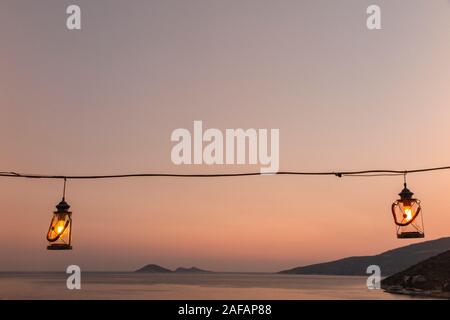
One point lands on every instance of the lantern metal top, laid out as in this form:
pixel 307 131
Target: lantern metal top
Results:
pixel 406 194
pixel 62 207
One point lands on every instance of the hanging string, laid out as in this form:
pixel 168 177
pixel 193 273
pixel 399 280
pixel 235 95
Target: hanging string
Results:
pixel 64 189
pixel 340 174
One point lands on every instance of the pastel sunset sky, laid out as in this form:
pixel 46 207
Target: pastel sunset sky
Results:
pixel 106 99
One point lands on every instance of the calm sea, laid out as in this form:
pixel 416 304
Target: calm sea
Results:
pixel 187 286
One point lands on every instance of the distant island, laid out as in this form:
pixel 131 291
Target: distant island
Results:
pixel 153 268
pixel 191 270
pixel 390 262
pixel 428 278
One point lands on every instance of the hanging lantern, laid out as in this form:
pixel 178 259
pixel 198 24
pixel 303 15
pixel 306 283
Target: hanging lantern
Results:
pixel 407 215
pixel 59 233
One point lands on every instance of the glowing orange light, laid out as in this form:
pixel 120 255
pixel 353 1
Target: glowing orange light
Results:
pixel 60 227
pixel 408 213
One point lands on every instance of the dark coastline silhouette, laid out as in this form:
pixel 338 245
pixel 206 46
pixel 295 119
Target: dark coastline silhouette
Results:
pixel 390 262
pixel 428 278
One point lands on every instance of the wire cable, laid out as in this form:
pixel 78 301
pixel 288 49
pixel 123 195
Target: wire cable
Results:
pixel 362 173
